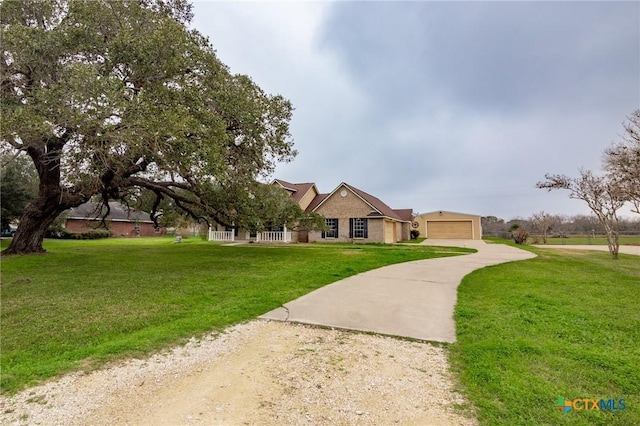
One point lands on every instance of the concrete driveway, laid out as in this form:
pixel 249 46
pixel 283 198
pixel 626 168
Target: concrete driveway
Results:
pixel 413 299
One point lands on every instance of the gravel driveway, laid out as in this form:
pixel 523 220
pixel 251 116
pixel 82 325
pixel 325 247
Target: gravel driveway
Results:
pixel 258 373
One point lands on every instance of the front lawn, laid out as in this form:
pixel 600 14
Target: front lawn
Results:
pixel 88 302
pixel 413 241
pixel 562 325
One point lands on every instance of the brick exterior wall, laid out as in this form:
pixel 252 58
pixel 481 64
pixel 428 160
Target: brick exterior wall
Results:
pixel 344 208
pixel 118 229
pixel 405 231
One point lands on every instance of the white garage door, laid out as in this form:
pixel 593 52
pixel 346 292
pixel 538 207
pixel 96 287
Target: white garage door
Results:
pixel 450 229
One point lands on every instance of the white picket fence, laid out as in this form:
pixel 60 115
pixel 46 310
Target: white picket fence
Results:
pixel 221 235
pixel 274 236
pixel 265 236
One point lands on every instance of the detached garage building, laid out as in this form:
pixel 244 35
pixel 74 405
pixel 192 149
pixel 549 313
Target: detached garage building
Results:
pixel 448 225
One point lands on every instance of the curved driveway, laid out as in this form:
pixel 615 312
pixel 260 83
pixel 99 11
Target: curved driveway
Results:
pixel 413 299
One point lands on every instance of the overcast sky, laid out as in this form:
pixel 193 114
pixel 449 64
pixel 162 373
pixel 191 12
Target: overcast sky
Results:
pixel 459 106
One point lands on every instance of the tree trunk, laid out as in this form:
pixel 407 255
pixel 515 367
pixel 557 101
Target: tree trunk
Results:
pixel 33 226
pixel 51 201
pixel 613 243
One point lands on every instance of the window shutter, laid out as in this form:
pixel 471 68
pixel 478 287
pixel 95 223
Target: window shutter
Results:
pixel 337 234
pixel 350 227
pixel 366 227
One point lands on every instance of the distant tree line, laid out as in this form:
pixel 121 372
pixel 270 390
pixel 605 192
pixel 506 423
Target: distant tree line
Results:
pixel 543 225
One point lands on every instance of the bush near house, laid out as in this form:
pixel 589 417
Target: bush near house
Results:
pixel 63 234
pixel 519 234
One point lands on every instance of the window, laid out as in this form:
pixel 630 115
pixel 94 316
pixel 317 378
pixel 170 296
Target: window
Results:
pixel 332 228
pixel 358 228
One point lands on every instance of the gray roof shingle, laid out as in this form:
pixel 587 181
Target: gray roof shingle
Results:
pixel 118 213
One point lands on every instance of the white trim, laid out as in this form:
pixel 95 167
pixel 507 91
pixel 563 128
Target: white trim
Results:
pixel 274 236
pixel 313 186
pixel 285 187
pixel 221 235
pixel 293 190
pixel 346 186
pixel 447 211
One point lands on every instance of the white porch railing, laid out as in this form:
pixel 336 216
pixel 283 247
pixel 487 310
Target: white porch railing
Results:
pixel 221 235
pixel 274 236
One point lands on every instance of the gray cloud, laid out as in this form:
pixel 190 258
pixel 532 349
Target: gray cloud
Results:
pixel 441 105
pixel 496 55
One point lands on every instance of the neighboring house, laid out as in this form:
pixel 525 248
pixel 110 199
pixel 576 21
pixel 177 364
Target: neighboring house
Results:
pixel 121 221
pixel 350 214
pixel 448 225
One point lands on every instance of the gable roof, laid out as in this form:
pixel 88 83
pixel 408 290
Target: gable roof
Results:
pixel 316 202
pixel 117 213
pixel 376 203
pixel 298 189
pixel 405 214
pixel 379 207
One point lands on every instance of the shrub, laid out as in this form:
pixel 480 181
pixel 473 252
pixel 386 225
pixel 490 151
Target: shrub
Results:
pixel 95 234
pixel 415 234
pixel 519 235
pixel 57 232
pixel 64 234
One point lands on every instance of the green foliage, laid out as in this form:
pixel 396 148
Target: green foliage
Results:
pixel 311 221
pixel 254 207
pixel 93 234
pixel 414 234
pixel 110 97
pixel 73 308
pixel 564 324
pixel 18 187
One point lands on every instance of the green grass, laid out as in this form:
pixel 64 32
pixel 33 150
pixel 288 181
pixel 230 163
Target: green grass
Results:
pixel 85 303
pixel 597 240
pixel 565 324
pixel 413 241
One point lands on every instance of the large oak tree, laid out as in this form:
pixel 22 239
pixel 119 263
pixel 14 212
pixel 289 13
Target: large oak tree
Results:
pixel 111 97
